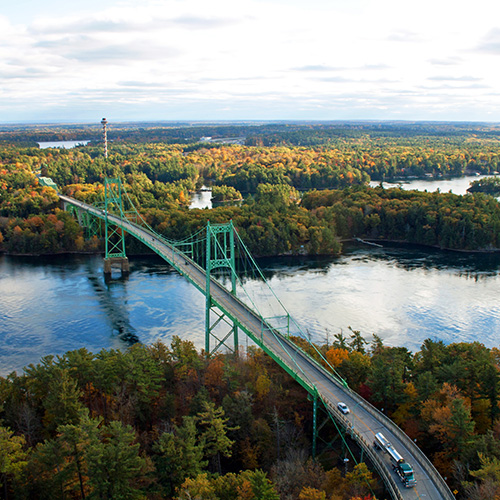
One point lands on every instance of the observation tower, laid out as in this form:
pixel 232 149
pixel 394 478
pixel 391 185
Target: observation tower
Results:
pixel 104 122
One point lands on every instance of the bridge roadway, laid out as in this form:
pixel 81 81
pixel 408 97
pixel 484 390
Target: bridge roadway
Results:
pixel 363 421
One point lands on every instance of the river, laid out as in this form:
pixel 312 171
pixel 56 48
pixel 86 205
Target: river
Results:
pixel 404 294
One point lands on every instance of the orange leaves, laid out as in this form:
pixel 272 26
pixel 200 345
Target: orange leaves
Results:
pixel 35 222
pixel 214 373
pixel 335 356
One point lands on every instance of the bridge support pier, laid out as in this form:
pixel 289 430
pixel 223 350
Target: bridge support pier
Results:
pixel 116 261
pixel 115 237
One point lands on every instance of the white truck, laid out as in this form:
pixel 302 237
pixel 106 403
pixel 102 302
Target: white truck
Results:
pixel 403 469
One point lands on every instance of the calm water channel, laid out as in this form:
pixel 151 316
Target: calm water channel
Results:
pixel 403 294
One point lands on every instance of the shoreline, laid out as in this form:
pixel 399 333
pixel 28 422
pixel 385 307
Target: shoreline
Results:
pixel 367 241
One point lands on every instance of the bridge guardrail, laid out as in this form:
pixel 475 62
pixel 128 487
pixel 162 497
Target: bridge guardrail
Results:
pixel 419 455
pixel 381 467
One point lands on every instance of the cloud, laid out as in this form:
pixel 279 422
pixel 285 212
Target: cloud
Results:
pixel 447 61
pixel 404 36
pixel 317 67
pixel 491 42
pixel 450 78
pixel 375 67
pixel 205 22
pixel 121 54
pixel 127 25
pixel 337 79
pixel 250 57
pixel 323 68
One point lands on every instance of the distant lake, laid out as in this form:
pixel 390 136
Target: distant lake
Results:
pixel 62 144
pixel 457 185
pixel 201 199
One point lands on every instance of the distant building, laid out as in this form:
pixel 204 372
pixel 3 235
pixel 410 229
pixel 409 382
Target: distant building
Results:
pixel 205 139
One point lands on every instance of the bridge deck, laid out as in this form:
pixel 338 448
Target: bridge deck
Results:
pixel 363 421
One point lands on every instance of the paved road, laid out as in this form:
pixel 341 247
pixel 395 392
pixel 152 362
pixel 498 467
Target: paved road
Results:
pixel 363 421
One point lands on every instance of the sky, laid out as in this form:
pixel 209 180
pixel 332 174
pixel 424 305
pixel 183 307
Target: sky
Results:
pixel 139 60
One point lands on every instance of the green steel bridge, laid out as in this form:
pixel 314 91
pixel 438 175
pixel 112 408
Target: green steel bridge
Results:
pixel 201 260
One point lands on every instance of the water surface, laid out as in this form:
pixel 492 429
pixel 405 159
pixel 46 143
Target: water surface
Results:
pixel 62 144
pixel 456 185
pixel 403 294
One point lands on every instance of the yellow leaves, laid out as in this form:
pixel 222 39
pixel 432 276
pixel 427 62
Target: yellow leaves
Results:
pixel 308 493
pixel 249 454
pixel 403 414
pixel 490 468
pixel 13 458
pixel 198 488
pixel 262 386
pixel 79 243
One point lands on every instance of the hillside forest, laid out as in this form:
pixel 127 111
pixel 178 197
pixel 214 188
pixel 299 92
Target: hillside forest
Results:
pixel 284 198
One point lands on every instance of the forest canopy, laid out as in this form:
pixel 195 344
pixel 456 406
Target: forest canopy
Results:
pixel 140 423
pixel 298 197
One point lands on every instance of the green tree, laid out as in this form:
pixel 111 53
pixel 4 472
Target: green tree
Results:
pixel 386 378
pixel 114 464
pixel 357 342
pixel 262 488
pixel 178 455
pixel 62 403
pixel 59 465
pixel 213 430
pixel 13 458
